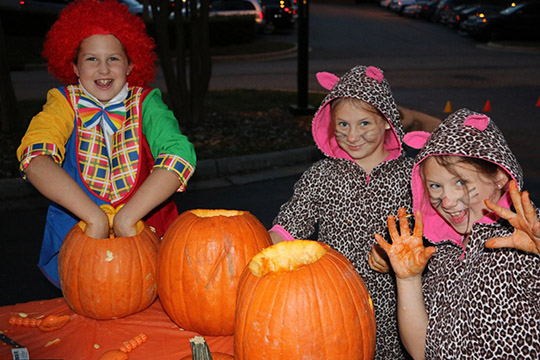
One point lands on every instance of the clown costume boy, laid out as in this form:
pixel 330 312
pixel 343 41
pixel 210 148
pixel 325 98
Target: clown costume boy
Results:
pixel 104 137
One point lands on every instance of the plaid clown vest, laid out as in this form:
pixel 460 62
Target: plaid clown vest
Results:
pixel 113 180
pixel 105 180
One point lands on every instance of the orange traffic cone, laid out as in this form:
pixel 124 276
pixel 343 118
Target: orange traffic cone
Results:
pixel 538 102
pixel 448 108
pixel 487 107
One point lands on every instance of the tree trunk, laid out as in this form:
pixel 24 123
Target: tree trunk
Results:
pixel 187 81
pixel 8 102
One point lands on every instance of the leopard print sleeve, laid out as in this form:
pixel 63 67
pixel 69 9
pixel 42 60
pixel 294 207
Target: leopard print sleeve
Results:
pixel 299 214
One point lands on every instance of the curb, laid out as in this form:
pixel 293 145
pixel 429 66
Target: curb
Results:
pixel 17 194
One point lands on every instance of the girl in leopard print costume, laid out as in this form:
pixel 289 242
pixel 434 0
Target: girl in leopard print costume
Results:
pixel 478 296
pixel 349 194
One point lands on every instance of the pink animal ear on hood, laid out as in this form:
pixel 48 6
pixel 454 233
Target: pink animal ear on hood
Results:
pixel 327 80
pixel 477 121
pixel 416 139
pixel 374 73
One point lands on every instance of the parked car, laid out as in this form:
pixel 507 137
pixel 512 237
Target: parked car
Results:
pixel 445 6
pixel 422 9
pixel 518 22
pixel 280 15
pixel 235 21
pixel 398 5
pixel 461 13
pixel 239 8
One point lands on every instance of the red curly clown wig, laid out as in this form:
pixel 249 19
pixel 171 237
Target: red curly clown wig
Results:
pixel 84 18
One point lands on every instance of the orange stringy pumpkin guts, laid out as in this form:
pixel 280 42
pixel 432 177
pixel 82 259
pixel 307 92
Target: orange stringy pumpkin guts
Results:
pixel 120 354
pixel 133 343
pixel 51 322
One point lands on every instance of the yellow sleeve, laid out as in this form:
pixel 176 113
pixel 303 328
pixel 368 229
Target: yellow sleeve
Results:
pixel 48 131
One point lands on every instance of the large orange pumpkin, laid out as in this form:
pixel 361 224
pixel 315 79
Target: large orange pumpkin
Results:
pixel 303 300
pixel 108 278
pixel 202 255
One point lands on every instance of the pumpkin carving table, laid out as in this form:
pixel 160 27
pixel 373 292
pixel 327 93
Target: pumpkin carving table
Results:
pixel 82 338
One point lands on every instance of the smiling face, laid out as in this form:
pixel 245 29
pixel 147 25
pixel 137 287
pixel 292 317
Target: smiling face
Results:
pixel 457 190
pixel 102 66
pixel 360 131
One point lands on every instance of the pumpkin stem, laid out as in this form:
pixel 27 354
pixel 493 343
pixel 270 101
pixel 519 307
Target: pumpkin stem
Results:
pixel 199 349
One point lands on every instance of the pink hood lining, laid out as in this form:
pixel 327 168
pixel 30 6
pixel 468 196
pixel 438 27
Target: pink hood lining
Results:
pixel 330 147
pixel 436 229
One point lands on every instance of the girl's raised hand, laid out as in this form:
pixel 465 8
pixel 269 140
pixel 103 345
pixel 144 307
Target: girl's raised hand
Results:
pixel 526 234
pixel 407 253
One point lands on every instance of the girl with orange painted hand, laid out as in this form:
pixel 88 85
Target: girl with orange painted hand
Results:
pixel 473 291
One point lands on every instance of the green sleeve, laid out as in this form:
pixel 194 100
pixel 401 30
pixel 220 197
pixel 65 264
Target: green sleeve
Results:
pixel 162 132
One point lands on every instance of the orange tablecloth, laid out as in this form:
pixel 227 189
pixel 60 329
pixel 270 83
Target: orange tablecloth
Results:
pixel 83 338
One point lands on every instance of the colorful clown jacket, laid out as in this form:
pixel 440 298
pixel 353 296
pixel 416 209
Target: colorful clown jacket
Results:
pixel 109 161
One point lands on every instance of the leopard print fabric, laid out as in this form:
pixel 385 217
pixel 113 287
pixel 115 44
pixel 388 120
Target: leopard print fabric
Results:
pixel 335 195
pixel 481 303
pixel 344 206
pixel 485 305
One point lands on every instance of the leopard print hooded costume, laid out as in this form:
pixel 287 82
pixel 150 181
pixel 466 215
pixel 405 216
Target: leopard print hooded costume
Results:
pixel 348 205
pixel 481 303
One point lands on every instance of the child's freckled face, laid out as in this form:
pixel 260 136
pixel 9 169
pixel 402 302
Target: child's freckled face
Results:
pixel 459 197
pixel 102 66
pixel 360 133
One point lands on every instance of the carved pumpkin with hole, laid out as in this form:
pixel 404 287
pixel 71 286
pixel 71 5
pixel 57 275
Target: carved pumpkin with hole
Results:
pixel 202 255
pixel 108 278
pixel 303 300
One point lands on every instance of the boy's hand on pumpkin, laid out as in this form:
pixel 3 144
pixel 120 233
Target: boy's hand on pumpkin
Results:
pixel 378 260
pixel 526 234
pixel 407 253
pixel 123 225
pixel 97 225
